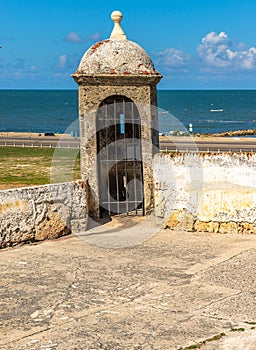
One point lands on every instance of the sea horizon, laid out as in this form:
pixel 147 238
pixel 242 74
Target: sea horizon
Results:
pixel 158 89
pixel 208 110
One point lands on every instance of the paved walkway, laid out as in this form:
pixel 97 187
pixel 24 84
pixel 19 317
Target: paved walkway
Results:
pixel 171 291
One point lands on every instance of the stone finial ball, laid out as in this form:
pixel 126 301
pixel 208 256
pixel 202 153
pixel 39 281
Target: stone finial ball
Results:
pixel 116 16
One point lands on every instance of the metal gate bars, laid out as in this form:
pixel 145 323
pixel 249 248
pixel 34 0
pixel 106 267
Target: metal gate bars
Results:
pixel 120 173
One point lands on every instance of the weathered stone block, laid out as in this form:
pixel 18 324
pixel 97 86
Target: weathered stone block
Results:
pixel 246 227
pixel 43 212
pixel 180 220
pixel 53 226
pixel 202 226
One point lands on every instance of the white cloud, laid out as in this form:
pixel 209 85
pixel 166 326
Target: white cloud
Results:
pixel 247 59
pixel 62 61
pixel 61 75
pixel 94 37
pixel 218 51
pixel 214 38
pixel 19 69
pixel 18 75
pixel 73 37
pixel 172 58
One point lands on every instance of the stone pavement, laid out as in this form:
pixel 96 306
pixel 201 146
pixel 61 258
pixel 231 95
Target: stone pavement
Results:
pixel 172 291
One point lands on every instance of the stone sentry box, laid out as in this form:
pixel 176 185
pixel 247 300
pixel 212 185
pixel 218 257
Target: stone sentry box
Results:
pixel 112 73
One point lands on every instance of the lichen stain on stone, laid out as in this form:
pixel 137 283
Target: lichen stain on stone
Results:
pixel 215 202
pixel 14 205
pixel 80 184
pixel 180 219
pixel 143 72
pixel 202 226
pixel 98 44
pixel 173 221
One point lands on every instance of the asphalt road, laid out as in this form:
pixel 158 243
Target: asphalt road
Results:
pixel 205 145
pixel 166 143
pixel 40 141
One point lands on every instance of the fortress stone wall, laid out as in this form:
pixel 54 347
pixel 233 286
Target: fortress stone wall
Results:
pixel 193 192
pixel 37 213
pixel 206 192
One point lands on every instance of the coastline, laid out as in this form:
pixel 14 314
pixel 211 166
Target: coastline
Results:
pixel 29 135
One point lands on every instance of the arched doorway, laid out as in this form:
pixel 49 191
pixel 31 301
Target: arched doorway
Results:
pixel 120 171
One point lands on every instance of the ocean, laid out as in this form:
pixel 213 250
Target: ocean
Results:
pixel 208 111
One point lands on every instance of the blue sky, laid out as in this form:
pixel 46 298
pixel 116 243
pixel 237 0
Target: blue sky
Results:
pixel 195 44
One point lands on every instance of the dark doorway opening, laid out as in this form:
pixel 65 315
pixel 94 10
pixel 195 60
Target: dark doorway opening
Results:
pixel 120 171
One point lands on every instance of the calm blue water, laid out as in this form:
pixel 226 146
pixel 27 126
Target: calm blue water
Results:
pixel 37 110
pixel 55 110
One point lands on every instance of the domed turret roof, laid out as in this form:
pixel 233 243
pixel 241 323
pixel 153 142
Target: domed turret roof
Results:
pixel 116 55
